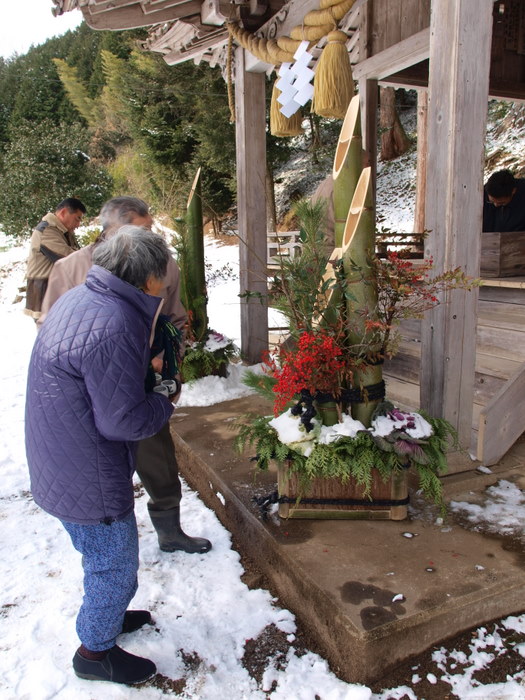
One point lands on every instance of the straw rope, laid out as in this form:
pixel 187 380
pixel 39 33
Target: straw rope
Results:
pixel 316 25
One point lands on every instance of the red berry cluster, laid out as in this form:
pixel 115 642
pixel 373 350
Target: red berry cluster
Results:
pixel 316 365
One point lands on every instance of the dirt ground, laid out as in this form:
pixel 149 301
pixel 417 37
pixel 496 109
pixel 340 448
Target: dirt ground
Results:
pixel 272 646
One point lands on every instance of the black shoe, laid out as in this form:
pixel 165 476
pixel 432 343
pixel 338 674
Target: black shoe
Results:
pixel 118 666
pixel 171 536
pixel 134 620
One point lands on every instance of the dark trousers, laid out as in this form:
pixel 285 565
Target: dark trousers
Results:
pixel 158 470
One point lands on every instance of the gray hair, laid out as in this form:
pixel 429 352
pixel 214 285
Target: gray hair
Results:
pixel 133 254
pixel 121 210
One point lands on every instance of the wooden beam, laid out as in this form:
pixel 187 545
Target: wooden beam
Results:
pixel 280 24
pixel 250 114
pixel 460 39
pixel 132 16
pixel 368 99
pixel 403 54
pixel 211 13
pixel 291 15
pixel 107 5
pixel 193 51
pixel 422 150
pixel 185 8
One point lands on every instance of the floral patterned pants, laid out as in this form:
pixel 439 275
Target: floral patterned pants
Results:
pixel 110 558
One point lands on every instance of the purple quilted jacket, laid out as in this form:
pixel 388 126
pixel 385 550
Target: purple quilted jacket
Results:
pixel 86 404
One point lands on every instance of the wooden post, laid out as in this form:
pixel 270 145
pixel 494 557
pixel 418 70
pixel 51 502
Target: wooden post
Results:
pixel 421 173
pixel 460 40
pixel 250 114
pixel 368 98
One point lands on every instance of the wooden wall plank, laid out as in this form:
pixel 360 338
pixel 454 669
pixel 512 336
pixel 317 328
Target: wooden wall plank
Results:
pixel 250 111
pixel 460 34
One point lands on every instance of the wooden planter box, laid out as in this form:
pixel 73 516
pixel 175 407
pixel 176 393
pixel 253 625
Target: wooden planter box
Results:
pixel 395 489
pixel 503 254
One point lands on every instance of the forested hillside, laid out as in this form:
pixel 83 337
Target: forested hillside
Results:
pixel 91 115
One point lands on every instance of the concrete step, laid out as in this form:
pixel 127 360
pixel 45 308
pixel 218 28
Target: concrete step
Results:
pixel 340 577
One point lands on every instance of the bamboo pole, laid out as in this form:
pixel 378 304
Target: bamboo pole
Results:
pixel 348 164
pixel 329 299
pixel 358 249
pixel 195 283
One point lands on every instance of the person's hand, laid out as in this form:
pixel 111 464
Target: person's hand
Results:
pixel 156 363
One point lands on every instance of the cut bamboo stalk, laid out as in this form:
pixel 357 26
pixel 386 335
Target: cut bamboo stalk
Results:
pixel 358 247
pixel 196 283
pixel 330 299
pixel 348 164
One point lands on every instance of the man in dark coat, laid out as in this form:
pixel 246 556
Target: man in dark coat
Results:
pixel 504 203
pixel 86 409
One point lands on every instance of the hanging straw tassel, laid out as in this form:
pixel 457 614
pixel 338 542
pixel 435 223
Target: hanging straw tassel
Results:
pixel 333 82
pixel 281 125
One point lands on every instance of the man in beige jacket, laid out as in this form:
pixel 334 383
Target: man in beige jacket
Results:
pixel 156 461
pixel 53 238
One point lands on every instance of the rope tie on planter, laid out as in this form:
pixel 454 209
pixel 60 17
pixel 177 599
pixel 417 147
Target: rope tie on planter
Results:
pixel 264 502
pixel 305 406
pixel 372 392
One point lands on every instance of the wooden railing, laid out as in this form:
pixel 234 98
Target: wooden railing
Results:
pixel 501 421
pixel 411 245
pixel 286 244
pixel 280 245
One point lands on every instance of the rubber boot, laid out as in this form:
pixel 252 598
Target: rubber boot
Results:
pixel 171 536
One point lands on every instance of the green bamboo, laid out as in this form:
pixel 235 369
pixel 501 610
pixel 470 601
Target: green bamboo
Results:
pixel 327 411
pixel 195 284
pixel 358 249
pixel 331 300
pixel 348 164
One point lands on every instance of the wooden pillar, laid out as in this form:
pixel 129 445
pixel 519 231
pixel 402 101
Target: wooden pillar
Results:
pixel 250 115
pixel 368 101
pixel 421 172
pixel 460 40
pixel 368 95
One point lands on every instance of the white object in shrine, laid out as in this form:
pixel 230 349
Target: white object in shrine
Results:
pixel 295 83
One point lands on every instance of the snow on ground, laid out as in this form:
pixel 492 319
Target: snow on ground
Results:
pixel 502 511
pixel 202 609
pixel 204 613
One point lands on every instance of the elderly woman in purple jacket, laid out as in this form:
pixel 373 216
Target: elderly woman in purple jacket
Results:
pixel 86 409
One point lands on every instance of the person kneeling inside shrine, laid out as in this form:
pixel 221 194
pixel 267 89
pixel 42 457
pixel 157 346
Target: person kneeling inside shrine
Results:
pixel 86 408
pixel 504 203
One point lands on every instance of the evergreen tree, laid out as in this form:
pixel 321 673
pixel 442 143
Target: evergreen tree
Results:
pixel 43 164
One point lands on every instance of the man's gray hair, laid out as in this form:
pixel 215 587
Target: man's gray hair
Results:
pixel 121 210
pixel 133 254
